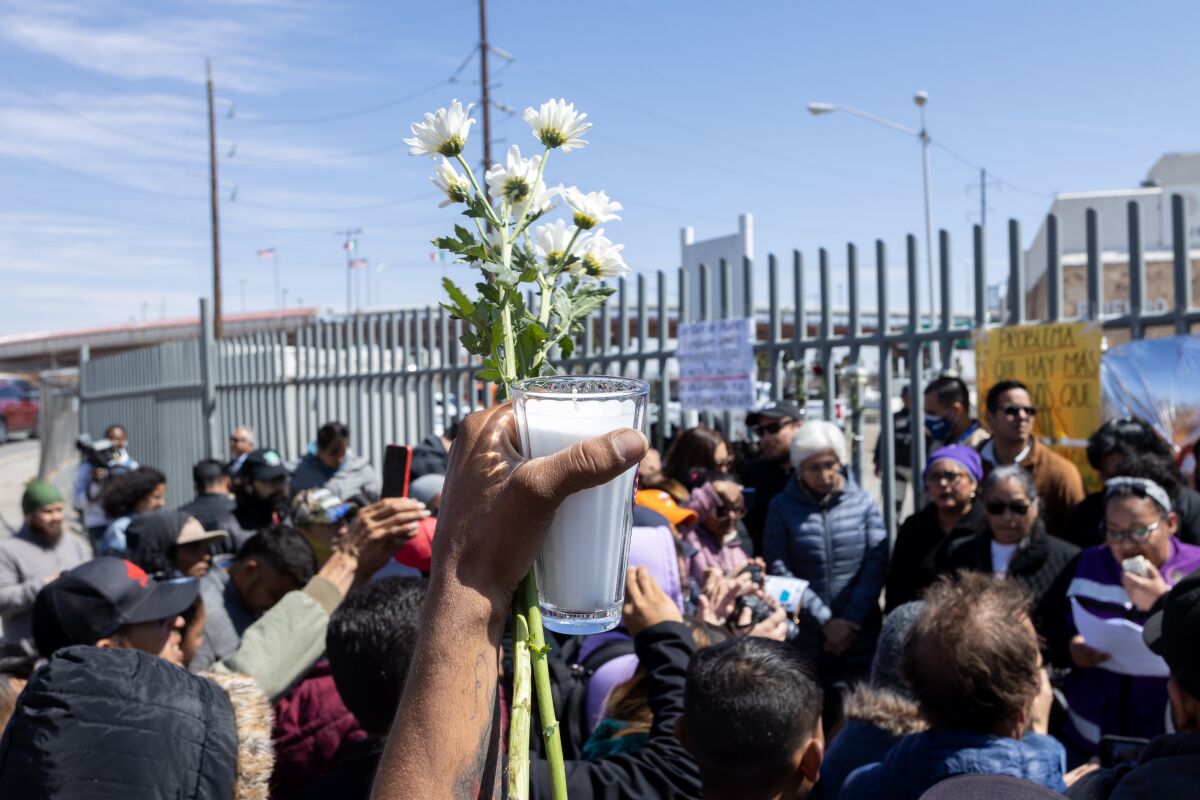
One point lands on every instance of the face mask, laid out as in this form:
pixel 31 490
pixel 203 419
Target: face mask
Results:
pixel 938 427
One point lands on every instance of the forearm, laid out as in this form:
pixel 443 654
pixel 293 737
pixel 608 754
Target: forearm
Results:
pixel 17 598
pixel 444 742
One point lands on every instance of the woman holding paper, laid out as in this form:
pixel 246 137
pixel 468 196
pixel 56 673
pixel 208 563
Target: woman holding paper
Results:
pixel 1118 687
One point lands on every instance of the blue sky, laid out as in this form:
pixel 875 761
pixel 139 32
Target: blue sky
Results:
pixel 699 112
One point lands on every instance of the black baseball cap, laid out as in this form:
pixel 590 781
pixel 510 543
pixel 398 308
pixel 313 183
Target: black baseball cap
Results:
pixel 1173 629
pixel 776 409
pixel 101 596
pixel 263 465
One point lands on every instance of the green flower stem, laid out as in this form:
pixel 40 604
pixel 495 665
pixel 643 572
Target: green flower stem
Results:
pixel 475 185
pixel 522 711
pixel 547 295
pixel 528 602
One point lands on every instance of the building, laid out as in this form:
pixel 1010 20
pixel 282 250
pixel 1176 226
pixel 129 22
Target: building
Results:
pixel 1174 173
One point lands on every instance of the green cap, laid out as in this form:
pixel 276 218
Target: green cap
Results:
pixel 39 494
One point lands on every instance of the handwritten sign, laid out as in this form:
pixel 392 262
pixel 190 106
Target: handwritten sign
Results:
pixel 716 365
pixel 1060 363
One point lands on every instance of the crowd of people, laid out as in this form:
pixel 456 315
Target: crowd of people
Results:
pixel 287 633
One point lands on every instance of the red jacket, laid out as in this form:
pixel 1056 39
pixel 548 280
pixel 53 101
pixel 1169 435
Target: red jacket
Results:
pixel 311 723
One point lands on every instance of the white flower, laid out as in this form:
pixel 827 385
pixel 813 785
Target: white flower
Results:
pixel 557 124
pixel 513 182
pixel 591 209
pixel 442 133
pixel 453 183
pixel 602 259
pixel 553 239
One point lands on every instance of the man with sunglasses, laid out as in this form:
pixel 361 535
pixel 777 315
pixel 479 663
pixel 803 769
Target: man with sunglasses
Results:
pixel 773 426
pixel 1118 583
pixel 1011 415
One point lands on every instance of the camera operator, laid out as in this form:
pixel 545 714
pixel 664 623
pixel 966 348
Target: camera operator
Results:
pixel 98 460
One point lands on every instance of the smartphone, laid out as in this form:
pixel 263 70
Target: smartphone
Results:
pixel 1116 750
pixel 397 470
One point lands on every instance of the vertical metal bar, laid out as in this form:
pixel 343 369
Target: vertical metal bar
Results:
pixel 980 263
pixel 826 334
pixel 1095 266
pixel 208 383
pixel 774 328
pixel 1054 284
pixel 1137 270
pixel 687 418
pixel 946 349
pixel 887 464
pixel 664 379
pixel 605 337
pixel 1180 265
pixel 799 319
pixel 623 326
pixel 447 366
pixel 854 330
pixel 643 326
pixel 706 313
pixel 1016 275
pixel 917 379
pixel 727 313
pixel 748 286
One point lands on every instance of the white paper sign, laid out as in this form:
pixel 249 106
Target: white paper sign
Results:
pixel 1122 640
pixel 716 365
pixel 786 590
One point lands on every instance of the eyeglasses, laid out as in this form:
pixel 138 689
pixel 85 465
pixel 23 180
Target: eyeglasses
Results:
pixel 725 463
pixel 771 428
pixel 1012 411
pixel 948 478
pixel 1136 535
pixel 996 509
pixel 724 511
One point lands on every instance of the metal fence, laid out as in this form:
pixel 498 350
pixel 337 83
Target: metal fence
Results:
pixel 400 376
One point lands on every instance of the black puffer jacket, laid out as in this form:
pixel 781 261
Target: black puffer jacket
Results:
pixel 97 723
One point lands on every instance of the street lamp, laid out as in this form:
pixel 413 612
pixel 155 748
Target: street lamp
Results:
pixel 920 99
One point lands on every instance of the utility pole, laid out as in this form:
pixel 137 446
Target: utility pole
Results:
pixel 213 198
pixel 349 245
pixel 983 198
pixel 483 83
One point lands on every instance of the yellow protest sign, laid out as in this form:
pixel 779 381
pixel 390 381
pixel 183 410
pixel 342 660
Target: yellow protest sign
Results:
pixel 1060 363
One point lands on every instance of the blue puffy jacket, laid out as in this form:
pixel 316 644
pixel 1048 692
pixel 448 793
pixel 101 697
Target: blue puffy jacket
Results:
pixel 838 544
pixel 920 760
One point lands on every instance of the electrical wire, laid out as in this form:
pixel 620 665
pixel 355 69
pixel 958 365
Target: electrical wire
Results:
pixel 358 112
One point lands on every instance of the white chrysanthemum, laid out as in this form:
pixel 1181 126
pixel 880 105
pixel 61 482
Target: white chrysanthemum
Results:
pixel 557 124
pixel 452 182
pixel 601 259
pixel 552 241
pixel 513 182
pixel 443 132
pixel 591 209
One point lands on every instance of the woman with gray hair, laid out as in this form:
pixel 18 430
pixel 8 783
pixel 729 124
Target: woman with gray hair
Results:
pixel 1015 546
pixel 826 529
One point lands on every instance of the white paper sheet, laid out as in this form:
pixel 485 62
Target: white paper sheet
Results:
pixel 786 590
pixel 1122 640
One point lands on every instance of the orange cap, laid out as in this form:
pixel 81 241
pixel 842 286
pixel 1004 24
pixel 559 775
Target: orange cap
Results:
pixel 663 503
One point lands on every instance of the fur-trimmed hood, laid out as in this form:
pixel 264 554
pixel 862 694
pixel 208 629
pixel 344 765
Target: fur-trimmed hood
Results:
pixel 97 722
pixel 884 709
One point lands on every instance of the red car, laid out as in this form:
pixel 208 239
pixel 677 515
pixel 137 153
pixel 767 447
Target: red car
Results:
pixel 18 407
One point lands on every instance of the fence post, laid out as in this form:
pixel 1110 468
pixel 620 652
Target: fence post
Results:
pixel 1016 276
pixel 85 355
pixel 1179 261
pixel 916 383
pixel 887 465
pixel 1054 293
pixel 1095 267
pixel 1137 270
pixel 980 277
pixel 208 384
pixel 854 329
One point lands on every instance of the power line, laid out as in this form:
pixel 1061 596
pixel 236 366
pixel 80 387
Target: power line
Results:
pixel 339 209
pixel 95 178
pixel 358 112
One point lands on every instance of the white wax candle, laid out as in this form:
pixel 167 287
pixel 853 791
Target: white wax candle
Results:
pixel 582 564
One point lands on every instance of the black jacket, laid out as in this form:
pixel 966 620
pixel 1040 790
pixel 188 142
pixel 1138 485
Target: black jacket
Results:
pixel 766 479
pixel 920 546
pixel 98 723
pixel 215 513
pixel 1169 769
pixel 1044 565
pixel 1084 521
pixel 662 768
pixel 351 775
pixel 429 457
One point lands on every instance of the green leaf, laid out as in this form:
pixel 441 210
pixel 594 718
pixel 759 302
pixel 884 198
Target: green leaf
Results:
pixel 490 292
pixel 465 307
pixel 490 375
pixel 567 345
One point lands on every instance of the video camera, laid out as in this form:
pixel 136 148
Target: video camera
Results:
pixel 100 453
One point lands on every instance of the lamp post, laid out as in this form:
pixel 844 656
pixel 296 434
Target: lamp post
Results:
pixel 920 99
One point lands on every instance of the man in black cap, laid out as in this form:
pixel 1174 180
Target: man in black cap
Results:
pixel 111 602
pixel 1170 765
pixel 262 491
pixel 773 426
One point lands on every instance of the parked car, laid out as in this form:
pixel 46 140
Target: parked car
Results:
pixel 18 408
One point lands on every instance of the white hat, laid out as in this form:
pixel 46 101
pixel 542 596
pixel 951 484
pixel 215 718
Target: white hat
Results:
pixel 815 436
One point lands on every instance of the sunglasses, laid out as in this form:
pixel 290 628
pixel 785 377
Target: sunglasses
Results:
pixel 1136 535
pixel 1012 411
pixel 996 509
pixel 725 511
pixel 771 428
pixel 725 463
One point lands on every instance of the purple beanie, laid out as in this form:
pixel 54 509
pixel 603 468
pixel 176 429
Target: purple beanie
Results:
pixel 960 454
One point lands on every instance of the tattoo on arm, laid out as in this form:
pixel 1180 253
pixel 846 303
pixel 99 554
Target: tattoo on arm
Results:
pixel 481 776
